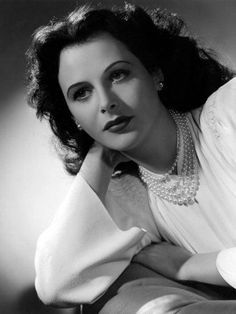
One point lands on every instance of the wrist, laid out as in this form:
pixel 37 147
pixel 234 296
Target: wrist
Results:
pixel 201 267
pixel 184 271
pixel 96 159
pixel 94 166
pixel 97 172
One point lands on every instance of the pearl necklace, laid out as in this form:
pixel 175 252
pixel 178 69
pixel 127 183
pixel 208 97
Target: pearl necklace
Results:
pixel 178 189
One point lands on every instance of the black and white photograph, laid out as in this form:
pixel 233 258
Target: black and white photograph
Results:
pixel 118 157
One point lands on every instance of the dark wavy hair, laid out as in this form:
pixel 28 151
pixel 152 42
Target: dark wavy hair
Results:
pixel 159 39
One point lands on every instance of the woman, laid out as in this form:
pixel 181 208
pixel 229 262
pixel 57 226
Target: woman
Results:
pixel 126 93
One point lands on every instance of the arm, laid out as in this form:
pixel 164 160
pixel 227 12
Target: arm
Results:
pixel 202 267
pixel 97 169
pixel 179 264
pixel 83 251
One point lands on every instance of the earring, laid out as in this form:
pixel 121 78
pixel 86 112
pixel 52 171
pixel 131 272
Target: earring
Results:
pixel 78 125
pixel 161 86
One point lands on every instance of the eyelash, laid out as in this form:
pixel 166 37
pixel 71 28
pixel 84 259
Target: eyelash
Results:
pixel 79 91
pixel 122 74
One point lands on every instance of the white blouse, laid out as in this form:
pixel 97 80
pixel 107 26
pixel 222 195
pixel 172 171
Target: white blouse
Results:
pixel 86 248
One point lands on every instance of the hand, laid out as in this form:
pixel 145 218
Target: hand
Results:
pixel 111 157
pixel 164 258
pixel 98 167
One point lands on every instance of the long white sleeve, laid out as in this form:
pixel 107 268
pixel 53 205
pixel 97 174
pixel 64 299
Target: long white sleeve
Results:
pixel 83 251
pixel 225 264
pixel 220 115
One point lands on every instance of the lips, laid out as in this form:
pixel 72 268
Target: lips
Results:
pixel 117 124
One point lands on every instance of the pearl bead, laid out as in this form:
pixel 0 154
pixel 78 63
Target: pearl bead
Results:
pixel 180 189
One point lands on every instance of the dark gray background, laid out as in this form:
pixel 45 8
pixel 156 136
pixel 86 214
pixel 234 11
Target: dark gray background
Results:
pixel 33 182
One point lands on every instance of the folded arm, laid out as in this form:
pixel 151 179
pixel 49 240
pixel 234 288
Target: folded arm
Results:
pixel 175 262
pixel 83 251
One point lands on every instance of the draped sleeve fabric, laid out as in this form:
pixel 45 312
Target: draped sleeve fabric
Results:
pixel 84 250
pixel 226 265
pixel 219 122
pixel 219 115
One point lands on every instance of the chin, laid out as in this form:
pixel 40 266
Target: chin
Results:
pixel 123 143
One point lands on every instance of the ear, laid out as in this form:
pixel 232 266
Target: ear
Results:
pixel 158 79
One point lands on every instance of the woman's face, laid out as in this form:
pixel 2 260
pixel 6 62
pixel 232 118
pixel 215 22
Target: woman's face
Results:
pixel 109 92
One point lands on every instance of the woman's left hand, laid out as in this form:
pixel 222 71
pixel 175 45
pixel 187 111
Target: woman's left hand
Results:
pixel 164 258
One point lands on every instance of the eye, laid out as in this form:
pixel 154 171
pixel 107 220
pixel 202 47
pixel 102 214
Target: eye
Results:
pixel 119 75
pixel 82 93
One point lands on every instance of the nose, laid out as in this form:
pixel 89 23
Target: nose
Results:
pixel 108 102
pixel 108 108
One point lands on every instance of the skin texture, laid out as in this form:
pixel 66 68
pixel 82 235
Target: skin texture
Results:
pixel 102 80
pixel 177 263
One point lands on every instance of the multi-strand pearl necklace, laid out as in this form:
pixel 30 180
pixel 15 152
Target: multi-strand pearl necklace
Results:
pixel 182 188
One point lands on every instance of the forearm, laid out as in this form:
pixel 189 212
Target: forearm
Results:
pixel 177 263
pixel 83 242
pixel 76 231
pixel 74 241
pixel 81 245
pixel 202 267
pixel 97 172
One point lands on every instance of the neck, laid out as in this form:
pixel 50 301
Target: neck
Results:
pixel 157 151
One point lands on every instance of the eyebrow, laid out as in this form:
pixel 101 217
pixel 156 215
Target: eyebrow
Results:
pixel 107 69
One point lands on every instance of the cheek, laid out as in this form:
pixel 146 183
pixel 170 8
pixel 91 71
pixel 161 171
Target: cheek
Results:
pixel 147 104
pixel 131 94
pixel 86 116
pixel 147 89
pixel 89 125
pixel 83 114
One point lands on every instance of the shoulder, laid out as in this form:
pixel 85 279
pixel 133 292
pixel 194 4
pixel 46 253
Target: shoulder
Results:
pixel 218 121
pixel 220 109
